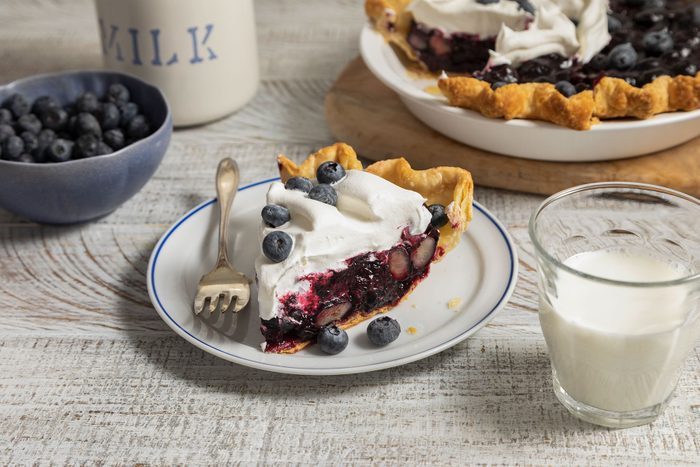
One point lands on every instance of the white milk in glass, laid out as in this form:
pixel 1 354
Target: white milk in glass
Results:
pixel 618 348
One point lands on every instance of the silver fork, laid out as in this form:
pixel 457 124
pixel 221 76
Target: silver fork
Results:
pixel 223 288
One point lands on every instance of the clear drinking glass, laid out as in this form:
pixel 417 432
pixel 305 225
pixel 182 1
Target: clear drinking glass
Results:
pixel 619 287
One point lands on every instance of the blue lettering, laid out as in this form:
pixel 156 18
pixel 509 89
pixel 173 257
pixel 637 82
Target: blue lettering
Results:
pixel 196 58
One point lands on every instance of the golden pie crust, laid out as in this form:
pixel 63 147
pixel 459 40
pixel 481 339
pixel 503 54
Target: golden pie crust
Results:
pixel 449 186
pixel 610 98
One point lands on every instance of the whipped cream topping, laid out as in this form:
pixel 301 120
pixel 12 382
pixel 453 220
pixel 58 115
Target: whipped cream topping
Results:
pixel 519 36
pixel 370 215
pixel 469 16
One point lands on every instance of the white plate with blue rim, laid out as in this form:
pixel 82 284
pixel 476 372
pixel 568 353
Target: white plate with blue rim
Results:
pixel 529 139
pixel 461 294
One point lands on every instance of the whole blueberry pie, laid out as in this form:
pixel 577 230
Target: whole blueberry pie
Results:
pixel 341 244
pixel 569 62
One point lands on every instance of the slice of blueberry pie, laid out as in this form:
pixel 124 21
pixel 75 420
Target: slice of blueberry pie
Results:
pixel 341 244
pixel 569 62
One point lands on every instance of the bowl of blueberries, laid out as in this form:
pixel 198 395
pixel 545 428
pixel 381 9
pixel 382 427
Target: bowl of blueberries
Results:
pixel 76 145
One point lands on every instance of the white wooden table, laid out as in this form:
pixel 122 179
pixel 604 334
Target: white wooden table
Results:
pixel 90 374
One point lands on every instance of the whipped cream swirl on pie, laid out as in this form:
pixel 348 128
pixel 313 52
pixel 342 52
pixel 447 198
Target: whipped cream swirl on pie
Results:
pixel 370 215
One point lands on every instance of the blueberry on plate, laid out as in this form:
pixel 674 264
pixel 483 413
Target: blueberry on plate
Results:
pixel 324 193
pixel 277 246
pixel 54 119
pixel 332 340
pixel 86 123
pixel 383 331
pixel 115 138
pixel 299 183
pixel 12 148
pixel 60 150
pixel 87 102
pixel 16 104
pixel 565 88
pixel 128 110
pixel 108 115
pixel 29 122
pixel 43 104
pixel 6 131
pixel 330 172
pixel 275 215
pixel 138 127
pixel 622 57
pixel 86 146
pixel 439 216
pixel 6 116
pixel 657 42
pixel 118 93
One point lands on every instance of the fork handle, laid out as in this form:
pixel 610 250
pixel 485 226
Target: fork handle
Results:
pixel 227 179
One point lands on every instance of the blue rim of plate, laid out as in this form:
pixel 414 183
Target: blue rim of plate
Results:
pixel 155 299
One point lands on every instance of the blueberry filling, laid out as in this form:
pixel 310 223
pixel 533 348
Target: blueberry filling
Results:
pixel 650 38
pixel 371 280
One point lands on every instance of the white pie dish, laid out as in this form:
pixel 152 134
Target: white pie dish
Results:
pixel 528 139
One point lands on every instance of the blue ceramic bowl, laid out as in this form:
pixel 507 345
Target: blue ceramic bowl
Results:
pixel 85 189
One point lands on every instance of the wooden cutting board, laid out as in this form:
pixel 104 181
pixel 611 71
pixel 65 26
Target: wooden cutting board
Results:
pixel 364 113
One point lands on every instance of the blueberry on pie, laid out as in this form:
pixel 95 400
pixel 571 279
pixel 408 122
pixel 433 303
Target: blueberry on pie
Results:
pixel 569 62
pixel 354 249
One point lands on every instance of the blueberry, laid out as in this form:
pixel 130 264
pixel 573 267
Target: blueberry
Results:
pixel 29 122
pixel 115 138
pixel 43 104
pixel 324 193
pixel 649 18
pixel 118 93
pixel 86 146
pixel 622 57
pixel 299 183
pixel 686 68
pixel 103 148
pixel 439 216
pixel 598 62
pixel 6 116
pixel 330 172
pixel 332 340
pixel 138 127
pixel 565 88
pixel 277 245
pixel 383 331
pixel 12 148
pixel 26 158
pixel 696 15
pixel 275 215
pixel 487 2
pixel 16 104
pixel 108 116
pixel 498 84
pixel 31 141
pixel 526 6
pixel 54 119
pixel 86 123
pixel 127 110
pixel 614 24
pixel 44 140
pixel 657 42
pixel 6 131
pixel 60 150
pixel 87 102
pixel 655 4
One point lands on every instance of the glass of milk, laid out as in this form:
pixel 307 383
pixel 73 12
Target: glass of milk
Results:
pixel 619 285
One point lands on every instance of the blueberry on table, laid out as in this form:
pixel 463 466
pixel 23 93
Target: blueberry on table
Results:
pixel 29 122
pixel 6 131
pixel 43 104
pixel 275 215
pixel 16 104
pixel 54 119
pixel 383 331
pixel 118 93
pixel 332 340
pixel 6 116
pixel 622 57
pixel 115 138
pixel 439 216
pixel 138 127
pixel 87 102
pixel 299 183
pixel 108 116
pixel 330 172
pixel 86 123
pixel 127 110
pixel 324 193
pixel 565 88
pixel 277 246
pixel 103 149
pixel 31 141
pixel 60 150
pixel 657 42
pixel 12 148
pixel 86 146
